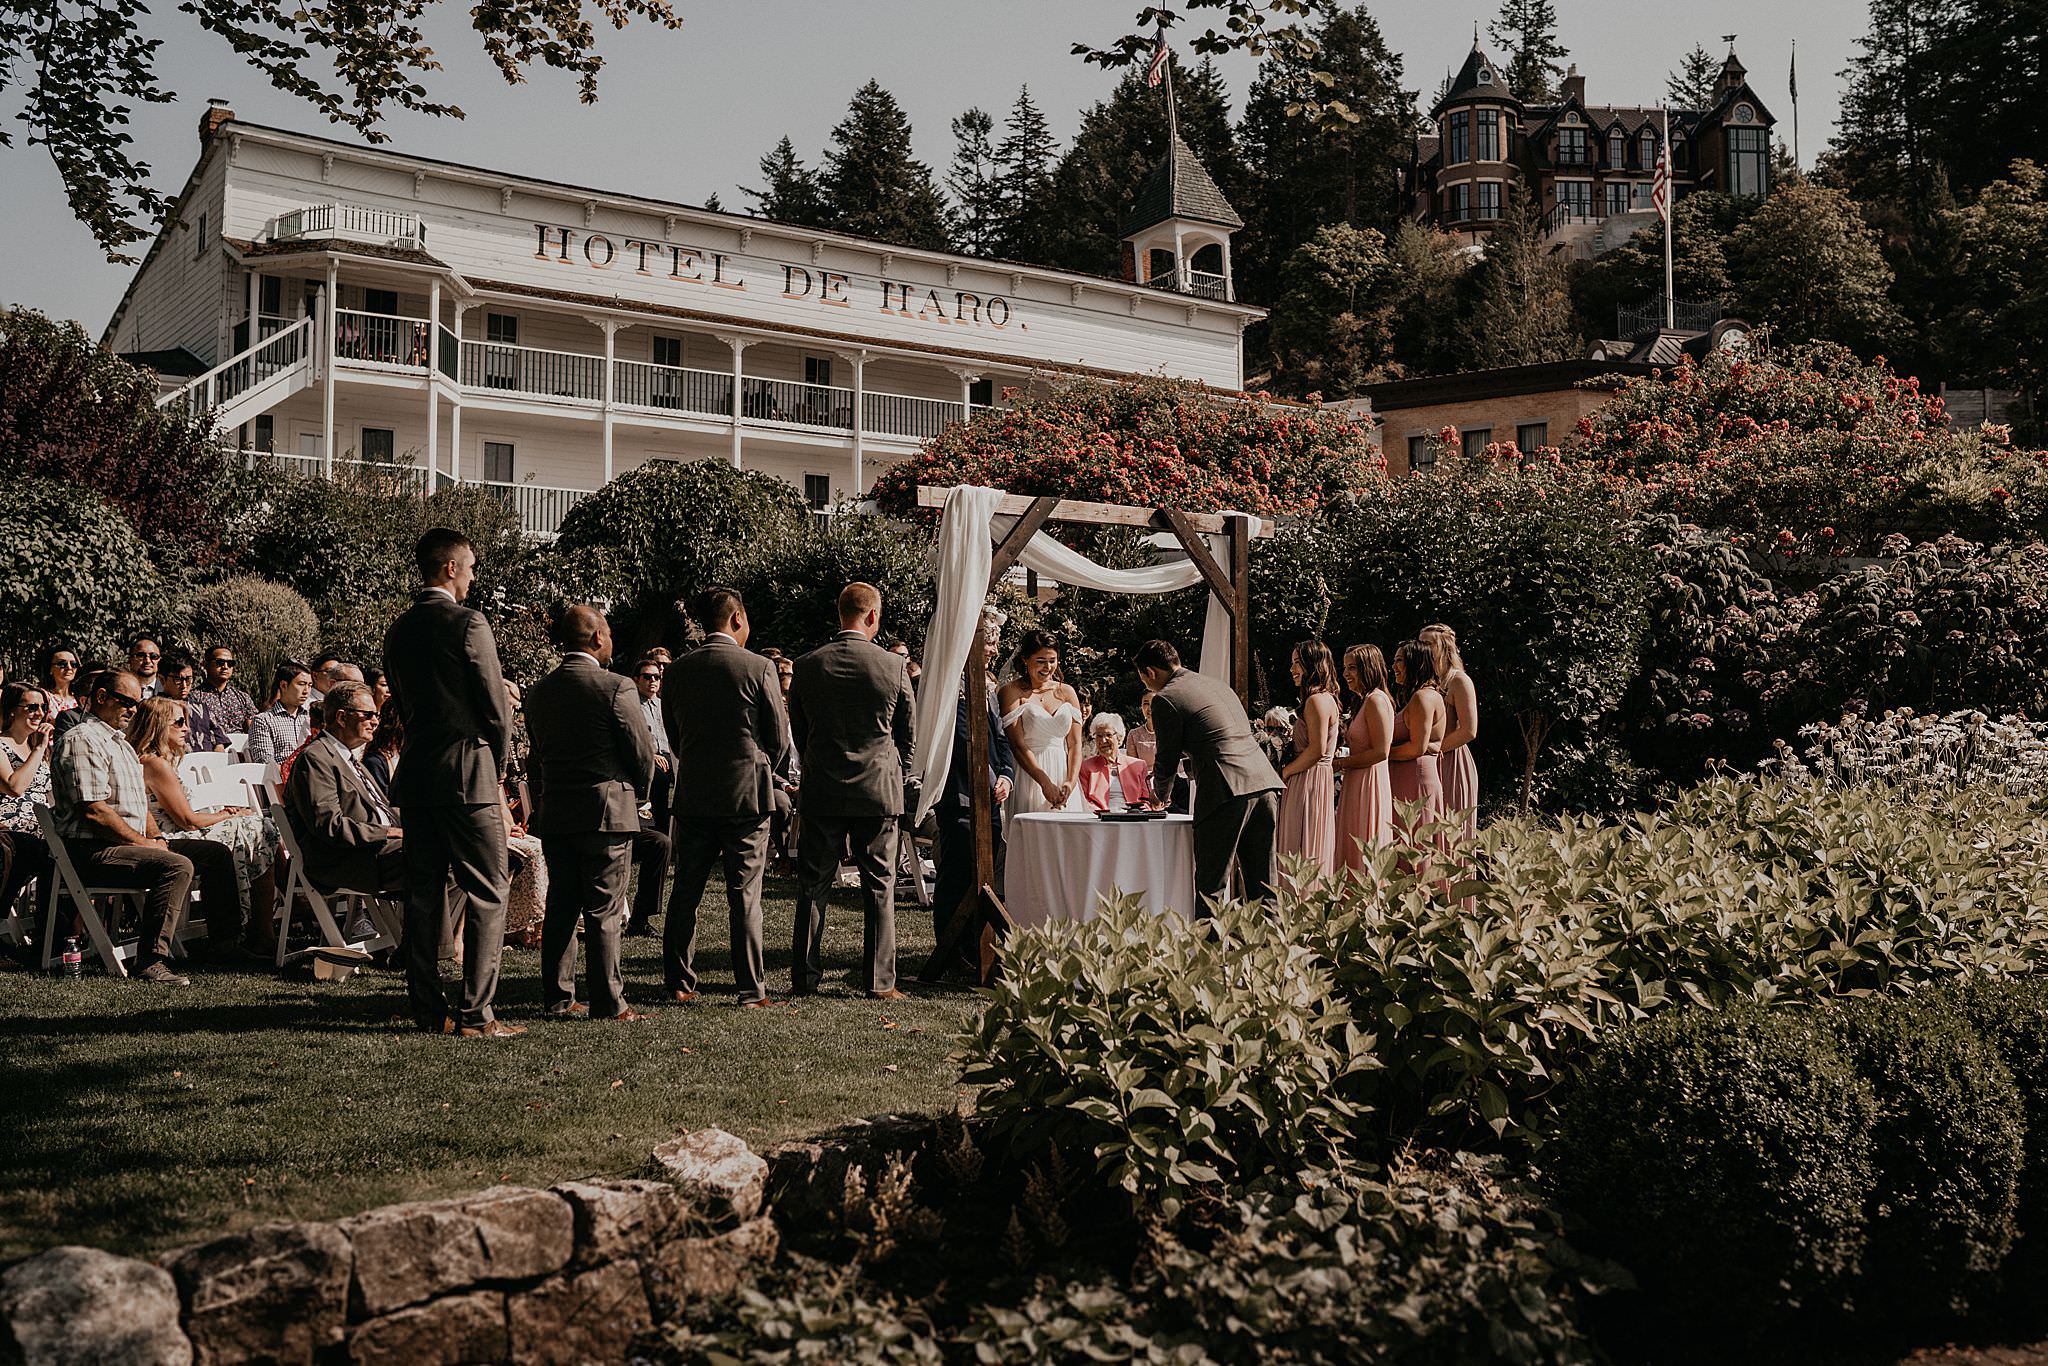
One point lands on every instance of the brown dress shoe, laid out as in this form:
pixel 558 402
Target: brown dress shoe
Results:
pixel 575 1010
pixel 682 997
pixel 890 995
pixel 496 1029
pixel 756 1005
pixel 627 1015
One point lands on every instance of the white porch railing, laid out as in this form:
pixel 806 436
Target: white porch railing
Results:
pixel 348 220
pixel 532 371
pixel 301 466
pixel 901 415
pixel 803 405
pixel 271 356
pixel 540 507
pixel 381 338
pixel 637 384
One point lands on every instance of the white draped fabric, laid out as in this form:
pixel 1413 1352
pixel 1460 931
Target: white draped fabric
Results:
pixel 963 552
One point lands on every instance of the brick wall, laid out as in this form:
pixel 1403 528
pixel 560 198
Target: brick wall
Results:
pixel 1558 409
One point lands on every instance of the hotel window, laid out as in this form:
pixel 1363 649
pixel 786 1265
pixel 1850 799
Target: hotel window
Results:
pixel 1458 202
pixel 1458 137
pixel 501 366
pixel 1571 147
pixel 1617 148
pixel 379 446
pixel 1646 150
pixel 1617 196
pixel 1748 161
pixel 1473 441
pixel 818 491
pixel 982 393
pixel 266 434
pixel 502 328
pixel 269 295
pixel 383 301
pixel 1421 453
pixel 666 351
pixel 1486 199
pixel 199 248
pixel 818 370
pixel 1575 198
pixel 498 462
pixel 1531 435
pixel 1487 146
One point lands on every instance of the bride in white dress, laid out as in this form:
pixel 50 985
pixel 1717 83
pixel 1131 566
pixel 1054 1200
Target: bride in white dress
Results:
pixel 1042 717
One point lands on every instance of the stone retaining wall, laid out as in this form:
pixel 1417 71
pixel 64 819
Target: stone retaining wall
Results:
pixel 571 1274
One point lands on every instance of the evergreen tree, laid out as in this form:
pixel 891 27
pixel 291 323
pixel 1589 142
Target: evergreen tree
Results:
pixel 789 192
pixel 977 202
pixel 1807 265
pixel 1997 325
pixel 1302 173
pixel 1633 273
pixel 1691 84
pixel 1517 308
pixel 1527 32
pixel 1332 326
pixel 1424 284
pixel 1024 166
pixel 873 186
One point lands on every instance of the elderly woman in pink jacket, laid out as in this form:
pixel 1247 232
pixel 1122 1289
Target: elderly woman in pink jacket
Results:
pixel 1110 779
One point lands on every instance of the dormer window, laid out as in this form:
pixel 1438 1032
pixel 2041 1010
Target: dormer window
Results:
pixel 1569 118
pixel 1744 114
pixel 1485 76
pixel 1617 148
pixel 1646 149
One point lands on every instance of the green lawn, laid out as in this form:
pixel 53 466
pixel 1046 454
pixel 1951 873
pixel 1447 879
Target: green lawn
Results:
pixel 142 1118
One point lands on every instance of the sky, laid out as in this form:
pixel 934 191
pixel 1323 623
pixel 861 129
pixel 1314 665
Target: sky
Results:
pixel 686 114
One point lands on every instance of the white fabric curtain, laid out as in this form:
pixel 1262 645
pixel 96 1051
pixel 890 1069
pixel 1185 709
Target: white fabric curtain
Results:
pixel 963 553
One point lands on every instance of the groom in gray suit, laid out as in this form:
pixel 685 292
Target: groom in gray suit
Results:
pixel 725 725
pixel 850 712
pixel 1236 806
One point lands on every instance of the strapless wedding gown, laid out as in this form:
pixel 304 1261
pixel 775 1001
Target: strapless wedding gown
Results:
pixel 1045 737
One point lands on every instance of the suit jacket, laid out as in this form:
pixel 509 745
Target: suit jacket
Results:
pixel 340 831
pixel 593 760
pixel 850 713
pixel 723 709
pixel 1198 718
pixel 442 664
pixel 1002 763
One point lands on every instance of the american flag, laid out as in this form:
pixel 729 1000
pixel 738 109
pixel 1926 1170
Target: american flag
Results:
pixel 1155 72
pixel 1660 184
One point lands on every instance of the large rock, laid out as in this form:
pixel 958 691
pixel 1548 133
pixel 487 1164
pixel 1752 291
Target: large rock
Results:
pixel 617 1219
pixel 457 1331
pixel 78 1306
pixel 278 1293
pixel 685 1269
pixel 582 1317
pixel 720 1177
pixel 408 1253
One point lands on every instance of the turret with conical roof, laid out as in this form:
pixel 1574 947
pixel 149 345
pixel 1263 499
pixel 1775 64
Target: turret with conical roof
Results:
pixel 1177 233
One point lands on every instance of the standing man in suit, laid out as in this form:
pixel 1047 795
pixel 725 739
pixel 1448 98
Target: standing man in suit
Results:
pixel 592 764
pixel 442 662
pixel 955 809
pixel 730 738
pixel 647 676
pixel 850 715
pixel 1236 805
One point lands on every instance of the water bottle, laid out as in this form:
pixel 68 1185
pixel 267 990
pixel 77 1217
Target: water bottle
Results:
pixel 74 959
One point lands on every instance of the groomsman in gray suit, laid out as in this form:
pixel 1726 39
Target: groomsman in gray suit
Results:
pixel 731 744
pixel 1236 806
pixel 592 766
pixel 850 712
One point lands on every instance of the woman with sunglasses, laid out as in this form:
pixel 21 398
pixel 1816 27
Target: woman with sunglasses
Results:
pixel 59 670
pixel 237 885
pixel 24 784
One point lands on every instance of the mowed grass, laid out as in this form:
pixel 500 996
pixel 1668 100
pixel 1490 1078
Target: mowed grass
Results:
pixel 142 1118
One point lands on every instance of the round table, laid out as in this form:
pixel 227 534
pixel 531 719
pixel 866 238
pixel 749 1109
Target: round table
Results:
pixel 1062 862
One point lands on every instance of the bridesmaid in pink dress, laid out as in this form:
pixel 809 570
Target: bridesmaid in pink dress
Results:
pixel 1418 735
pixel 1365 803
pixel 1308 804
pixel 1461 728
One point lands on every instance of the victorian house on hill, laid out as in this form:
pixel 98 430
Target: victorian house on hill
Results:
pixel 1588 167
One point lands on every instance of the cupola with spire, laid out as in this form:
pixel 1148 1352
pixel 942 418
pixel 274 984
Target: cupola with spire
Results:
pixel 1177 233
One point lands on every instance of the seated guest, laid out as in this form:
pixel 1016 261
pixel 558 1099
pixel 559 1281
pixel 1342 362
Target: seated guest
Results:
pixel 144 657
pixel 380 689
pixel 1111 780
pixel 380 756
pixel 234 849
pixel 25 740
pixel 58 668
pixel 276 733
pixel 232 708
pixel 347 827
pixel 63 721
pixel 203 734
pixel 103 814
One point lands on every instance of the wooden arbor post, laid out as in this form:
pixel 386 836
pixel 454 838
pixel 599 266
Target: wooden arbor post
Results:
pixel 983 912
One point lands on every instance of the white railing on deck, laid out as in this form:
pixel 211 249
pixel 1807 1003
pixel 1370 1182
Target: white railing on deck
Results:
pixel 637 384
pixel 901 415
pixel 805 405
pixel 530 370
pixel 347 467
pixel 349 220
pixel 540 507
pixel 381 338
pixel 238 374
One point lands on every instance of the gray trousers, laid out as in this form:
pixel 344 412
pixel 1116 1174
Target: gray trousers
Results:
pixel 1241 829
pixel 165 878
pixel 587 882
pixel 458 850
pixel 817 867
pixel 742 847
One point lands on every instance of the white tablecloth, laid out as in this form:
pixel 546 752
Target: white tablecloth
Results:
pixel 1061 862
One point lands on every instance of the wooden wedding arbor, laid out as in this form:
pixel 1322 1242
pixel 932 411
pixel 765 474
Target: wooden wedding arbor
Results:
pixel 983 912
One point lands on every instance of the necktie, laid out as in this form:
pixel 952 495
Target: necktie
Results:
pixel 376 794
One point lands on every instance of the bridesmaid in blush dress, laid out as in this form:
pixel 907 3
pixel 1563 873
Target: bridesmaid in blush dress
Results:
pixel 1365 804
pixel 1461 728
pixel 1308 804
pixel 1418 734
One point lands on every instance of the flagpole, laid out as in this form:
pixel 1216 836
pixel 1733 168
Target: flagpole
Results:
pixel 1795 103
pixel 1670 196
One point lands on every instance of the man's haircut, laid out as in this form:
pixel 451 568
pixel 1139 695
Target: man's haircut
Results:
pixel 576 628
pixel 1156 654
pixel 107 680
pixel 175 660
pixel 323 659
pixel 715 606
pixel 136 642
pixel 438 546
pixel 345 695
pixel 856 600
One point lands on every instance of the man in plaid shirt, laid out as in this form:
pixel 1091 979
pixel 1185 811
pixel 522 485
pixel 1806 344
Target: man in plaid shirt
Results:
pixel 102 811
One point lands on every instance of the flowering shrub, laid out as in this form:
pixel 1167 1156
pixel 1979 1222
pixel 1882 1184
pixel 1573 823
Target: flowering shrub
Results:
pixel 1922 754
pixel 1147 442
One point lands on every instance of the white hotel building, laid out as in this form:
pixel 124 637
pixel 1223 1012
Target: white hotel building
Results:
pixel 335 303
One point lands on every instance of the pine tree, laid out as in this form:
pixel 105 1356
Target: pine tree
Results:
pixel 977 201
pixel 1302 174
pixel 872 185
pixel 1691 84
pixel 789 192
pixel 1527 31
pixel 1024 166
pixel 1332 330
pixel 1518 311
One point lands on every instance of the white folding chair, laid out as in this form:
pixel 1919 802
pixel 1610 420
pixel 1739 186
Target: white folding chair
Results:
pixel 324 902
pixel 256 782
pixel 238 744
pixel 88 900
pixel 195 770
